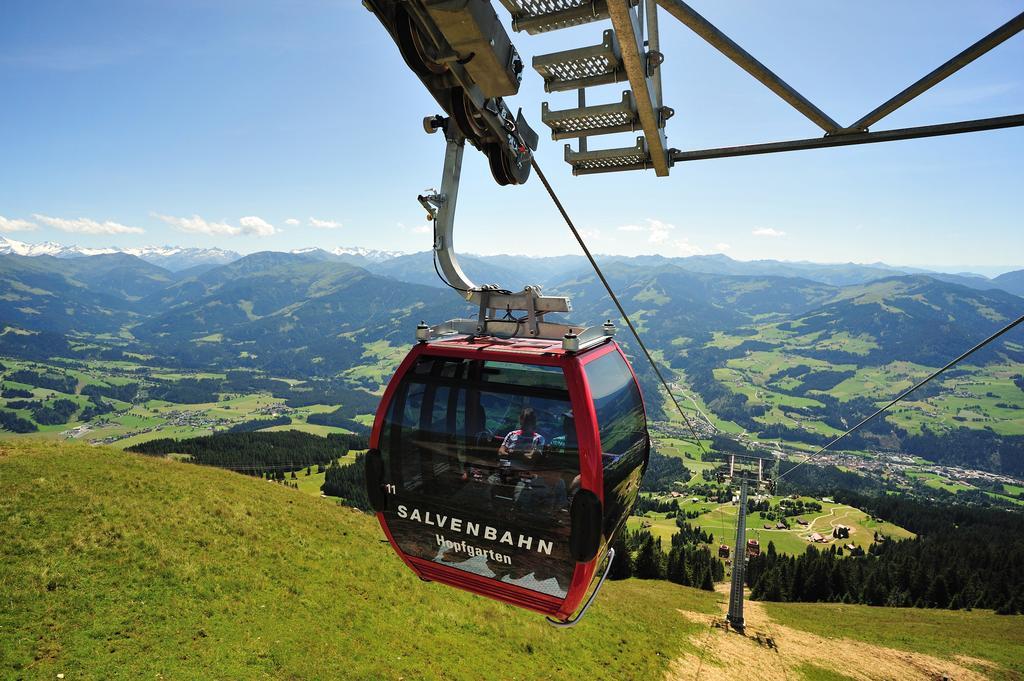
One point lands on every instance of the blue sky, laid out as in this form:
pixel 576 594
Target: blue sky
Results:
pixel 256 125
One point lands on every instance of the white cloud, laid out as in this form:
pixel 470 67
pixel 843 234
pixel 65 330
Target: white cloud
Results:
pixel 657 231
pixel 684 247
pixel 197 225
pixel 768 231
pixel 15 225
pixel 292 222
pixel 325 224
pixel 428 228
pixel 722 247
pixel 87 226
pixel 256 226
pixel 249 226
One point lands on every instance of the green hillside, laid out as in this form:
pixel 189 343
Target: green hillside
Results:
pixel 122 566
pixel 118 565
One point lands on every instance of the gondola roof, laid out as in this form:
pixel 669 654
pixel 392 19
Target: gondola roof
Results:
pixel 490 345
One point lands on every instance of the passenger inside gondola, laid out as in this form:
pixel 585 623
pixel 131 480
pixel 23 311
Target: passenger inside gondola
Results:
pixel 524 443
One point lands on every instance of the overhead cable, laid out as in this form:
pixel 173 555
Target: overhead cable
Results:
pixel 907 392
pixel 615 299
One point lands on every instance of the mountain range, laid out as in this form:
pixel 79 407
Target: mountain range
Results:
pixel 508 270
pixel 315 314
pixel 311 313
pixel 178 258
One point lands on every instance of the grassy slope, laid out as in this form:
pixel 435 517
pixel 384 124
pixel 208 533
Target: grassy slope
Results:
pixel 117 565
pixel 942 633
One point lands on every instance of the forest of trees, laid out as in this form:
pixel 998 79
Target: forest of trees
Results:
pixel 354 402
pixel 663 472
pixel 15 392
pixel 11 422
pixel 963 557
pixel 55 413
pixel 257 453
pixel 970 447
pixel 258 424
pixel 186 390
pixel 125 392
pixel 347 482
pixel 61 383
pixel 688 562
pixel 97 407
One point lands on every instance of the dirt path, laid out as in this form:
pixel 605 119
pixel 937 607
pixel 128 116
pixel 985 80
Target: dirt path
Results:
pixel 729 655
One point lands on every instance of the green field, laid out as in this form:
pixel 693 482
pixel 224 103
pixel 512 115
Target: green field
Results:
pixel 310 484
pixel 936 481
pixel 688 452
pixel 380 361
pixel 132 424
pixel 655 523
pixel 720 521
pixel 983 397
pixel 122 566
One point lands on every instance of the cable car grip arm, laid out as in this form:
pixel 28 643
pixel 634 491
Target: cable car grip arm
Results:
pixel 440 207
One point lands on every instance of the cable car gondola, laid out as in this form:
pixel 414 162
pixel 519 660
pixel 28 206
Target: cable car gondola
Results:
pixel 506 467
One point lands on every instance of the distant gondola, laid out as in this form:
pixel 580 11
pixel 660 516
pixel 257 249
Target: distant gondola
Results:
pixel 506 467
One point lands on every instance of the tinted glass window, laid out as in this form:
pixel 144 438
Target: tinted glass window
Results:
pixel 622 424
pixel 620 410
pixel 482 469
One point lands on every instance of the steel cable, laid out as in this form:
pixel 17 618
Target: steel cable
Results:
pixel 615 299
pixel 907 392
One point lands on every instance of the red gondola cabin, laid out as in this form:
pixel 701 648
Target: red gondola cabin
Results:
pixel 506 467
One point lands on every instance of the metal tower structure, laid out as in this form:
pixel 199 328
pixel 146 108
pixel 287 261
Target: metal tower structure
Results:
pixel 745 473
pixel 739 564
pixel 631 51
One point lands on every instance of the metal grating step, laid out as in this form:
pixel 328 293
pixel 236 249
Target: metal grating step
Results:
pixel 541 16
pixel 583 66
pixel 609 160
pixel 600 119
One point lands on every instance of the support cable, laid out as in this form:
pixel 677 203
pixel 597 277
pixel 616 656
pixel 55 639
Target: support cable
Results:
pixel 615 299
pixel 907 392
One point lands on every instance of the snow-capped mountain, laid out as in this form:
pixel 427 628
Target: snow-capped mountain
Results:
pixel 10 246
pixel 177 258
pixel 173 258
pixel 355 255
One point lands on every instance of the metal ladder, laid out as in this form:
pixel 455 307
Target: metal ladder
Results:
pixel 625 53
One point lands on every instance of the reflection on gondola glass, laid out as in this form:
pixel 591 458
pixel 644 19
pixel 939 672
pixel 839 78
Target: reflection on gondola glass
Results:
pixel 622 424
pixel 481 470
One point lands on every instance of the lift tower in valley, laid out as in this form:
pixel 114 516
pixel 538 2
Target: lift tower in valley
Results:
pixel 744 474
pixel 739 564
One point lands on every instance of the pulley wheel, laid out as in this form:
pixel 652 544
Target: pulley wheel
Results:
pixel 496 159
pixel 504 169
pixel 469 120
pixel 413 46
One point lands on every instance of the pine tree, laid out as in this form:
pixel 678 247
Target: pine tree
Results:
pixel 648 562
pixel 622 564
pixel 938 594
pixel 676 571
